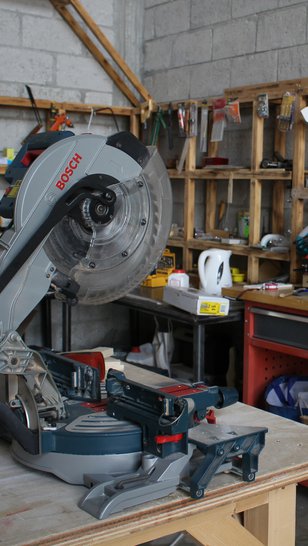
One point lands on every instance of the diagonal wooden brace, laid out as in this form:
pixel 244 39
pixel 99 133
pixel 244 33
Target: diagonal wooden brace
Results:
pixel 62 8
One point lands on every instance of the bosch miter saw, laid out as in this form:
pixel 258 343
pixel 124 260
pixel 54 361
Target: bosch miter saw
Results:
pixel 90 221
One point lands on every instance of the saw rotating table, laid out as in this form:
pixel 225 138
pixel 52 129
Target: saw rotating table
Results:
pixel 39 510
pixel 149 301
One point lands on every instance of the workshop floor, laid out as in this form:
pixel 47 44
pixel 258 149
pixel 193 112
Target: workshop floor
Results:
pixel 301 526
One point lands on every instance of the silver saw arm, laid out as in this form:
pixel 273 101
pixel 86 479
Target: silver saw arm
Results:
pixel 92 217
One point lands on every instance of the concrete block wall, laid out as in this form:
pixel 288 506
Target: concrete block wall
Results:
pixel 197 48
pixel 38 48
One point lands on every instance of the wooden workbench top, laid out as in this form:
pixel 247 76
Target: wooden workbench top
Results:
pixel 276 298
pixel 38 509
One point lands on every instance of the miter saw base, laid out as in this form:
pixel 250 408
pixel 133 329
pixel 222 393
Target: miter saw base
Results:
pixel 178 452
pixel 211 449
pixel 89 443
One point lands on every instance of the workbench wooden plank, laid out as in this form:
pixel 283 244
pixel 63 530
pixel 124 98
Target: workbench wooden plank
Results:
pixel 274 523
pixel 268 297
pixel 281 521
pixel 41 510
pixel 226 531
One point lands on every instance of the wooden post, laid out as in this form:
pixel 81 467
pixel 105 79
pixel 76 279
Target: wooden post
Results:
pixel 189 201
pixel 297 219
pixel 274 523
pixel 257 139
pixel 211 194
pixel 255 191
pixel 134 124
pixel 278 186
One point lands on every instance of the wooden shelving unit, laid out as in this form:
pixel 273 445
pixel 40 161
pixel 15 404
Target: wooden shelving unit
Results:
pixel 255 177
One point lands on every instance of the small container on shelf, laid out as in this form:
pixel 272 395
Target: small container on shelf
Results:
pixel 178 279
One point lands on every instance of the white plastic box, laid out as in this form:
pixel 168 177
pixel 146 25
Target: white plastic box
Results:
pixel 196 301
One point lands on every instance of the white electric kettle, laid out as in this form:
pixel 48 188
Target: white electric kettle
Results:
pixel 214 271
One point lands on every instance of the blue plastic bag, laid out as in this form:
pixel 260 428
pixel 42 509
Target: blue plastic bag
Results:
pixel 283 393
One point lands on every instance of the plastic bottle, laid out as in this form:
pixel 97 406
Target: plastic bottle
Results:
pixel 178 279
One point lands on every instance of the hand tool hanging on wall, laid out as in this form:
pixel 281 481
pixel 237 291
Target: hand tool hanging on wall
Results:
pixel 158 123
pixel 279 162
pixel 169 127
pixel 232 111
pixel 181 120
pixel 188 127
pixel 287 110
pixel 59 119
pixel 262 105
pixel 39 123
pixel 204 127
pixel 219 119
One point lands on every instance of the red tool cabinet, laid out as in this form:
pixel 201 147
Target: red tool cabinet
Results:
pixel 275 343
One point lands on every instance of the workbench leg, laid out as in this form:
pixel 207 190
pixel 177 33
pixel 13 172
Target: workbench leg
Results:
pixel 274 523
pixel 221 527
pixel 198 351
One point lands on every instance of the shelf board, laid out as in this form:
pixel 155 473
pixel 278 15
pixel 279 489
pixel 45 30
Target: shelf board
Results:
pixel 176 242
pixel 199 244
pixel 44 104
pixel 275 90
pixel 240 250
pixel 235 173
pixel 281 256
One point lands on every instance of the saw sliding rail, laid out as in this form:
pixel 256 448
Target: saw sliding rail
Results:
pixel 179 450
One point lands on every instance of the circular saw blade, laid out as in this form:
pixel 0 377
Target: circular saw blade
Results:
pixel 109 260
